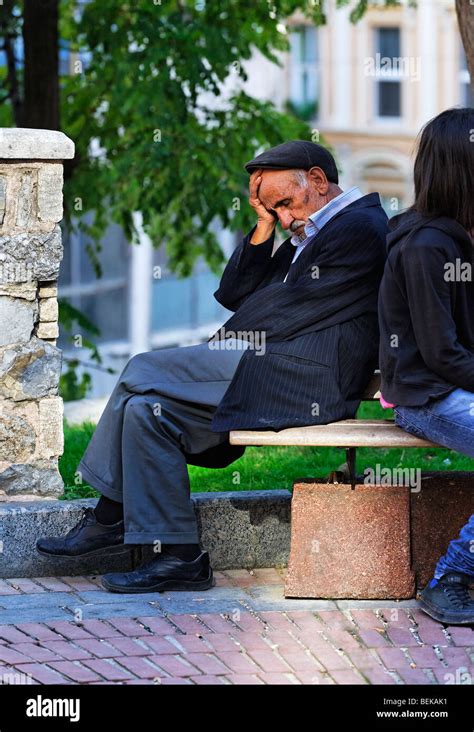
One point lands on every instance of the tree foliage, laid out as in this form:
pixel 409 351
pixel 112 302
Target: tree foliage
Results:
pixel 172 142
pixel 157 125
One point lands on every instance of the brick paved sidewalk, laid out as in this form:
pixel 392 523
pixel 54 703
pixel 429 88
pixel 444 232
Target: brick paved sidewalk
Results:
pixel 69 630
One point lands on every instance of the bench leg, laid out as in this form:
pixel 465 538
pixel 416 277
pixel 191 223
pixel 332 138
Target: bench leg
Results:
pixel 346 473
pixel 351 465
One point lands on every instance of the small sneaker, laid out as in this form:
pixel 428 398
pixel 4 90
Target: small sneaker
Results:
pixel 448 599
pixel 86 538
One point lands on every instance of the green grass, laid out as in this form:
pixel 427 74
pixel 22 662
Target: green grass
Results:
pixel 267 468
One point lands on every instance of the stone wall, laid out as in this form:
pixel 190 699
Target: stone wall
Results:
pixel 31 427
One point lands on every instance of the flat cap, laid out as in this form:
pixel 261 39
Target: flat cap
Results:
pixel 296 154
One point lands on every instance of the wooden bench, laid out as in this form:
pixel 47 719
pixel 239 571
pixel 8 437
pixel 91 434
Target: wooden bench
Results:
pixel 348 433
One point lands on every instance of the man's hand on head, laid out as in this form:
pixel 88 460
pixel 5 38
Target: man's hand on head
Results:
pixel 266 221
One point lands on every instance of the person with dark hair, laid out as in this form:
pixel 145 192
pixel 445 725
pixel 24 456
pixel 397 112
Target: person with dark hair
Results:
pixel 426 316
pixel 299 349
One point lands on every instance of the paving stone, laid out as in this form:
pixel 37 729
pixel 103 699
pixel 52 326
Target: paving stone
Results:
pixel 37 652
pixel 462 636
pixel 175 665
pixel 342 639
pixel 374 638
pixel 393 658
pixel 301 660
pixel 186 623
pixel 67 650
pixel 279 679
pixel 100 649
pixel 42 673
pixel 222 642
pixel 156 624
pixel 80 583
pixel 335 619
pixel 208 680
pixel 269 661
pixel 13 635
pixel 10 655
pixel 207 663
pixel 107 669
pixel 401 637
pixel 39 631
pixel 347 676
pixel 70 630
pixel 187 643
pixel 54 583
pixel 216 622
pixel 283 641
pixel 240 663
pixel 74 670
pixel 251 641
pixel 8 589
pixel 413 675
pixel 174 681
pixel 159 644
pixel 238 679
pixel 364 658
pixel 47 599
pixel 141 667
pixel 315 678
pixel 101 629
pixel 127 626
pixel 25 585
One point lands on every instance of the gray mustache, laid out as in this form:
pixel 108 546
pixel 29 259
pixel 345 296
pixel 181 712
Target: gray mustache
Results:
pixel 296 225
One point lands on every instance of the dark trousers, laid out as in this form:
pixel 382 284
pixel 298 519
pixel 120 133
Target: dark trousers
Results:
pixel 158 415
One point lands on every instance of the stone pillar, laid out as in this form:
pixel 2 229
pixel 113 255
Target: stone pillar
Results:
pixel 31 413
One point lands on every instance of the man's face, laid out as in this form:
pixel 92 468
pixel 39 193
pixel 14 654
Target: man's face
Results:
pixel 293 196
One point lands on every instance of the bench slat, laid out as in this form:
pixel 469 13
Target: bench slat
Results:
pixel 346 433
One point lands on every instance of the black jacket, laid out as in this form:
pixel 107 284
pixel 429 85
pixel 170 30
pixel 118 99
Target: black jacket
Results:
pixel 320 326
pixel 426 310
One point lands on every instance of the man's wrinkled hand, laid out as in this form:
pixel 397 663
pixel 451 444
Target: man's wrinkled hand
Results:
pixel 266 221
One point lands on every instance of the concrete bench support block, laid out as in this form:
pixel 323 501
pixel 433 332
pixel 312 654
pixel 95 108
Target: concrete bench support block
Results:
pixel 438 512
pixel 350 543
pixel 373 542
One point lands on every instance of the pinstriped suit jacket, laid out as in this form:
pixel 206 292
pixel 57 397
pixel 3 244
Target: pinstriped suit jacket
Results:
pixel 320 327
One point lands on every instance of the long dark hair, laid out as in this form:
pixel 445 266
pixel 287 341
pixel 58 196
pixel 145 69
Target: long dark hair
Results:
pixel 444 167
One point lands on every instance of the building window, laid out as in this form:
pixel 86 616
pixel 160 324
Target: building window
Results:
pixel 183 303
pixel 467 93
pixel 304 72
pixel 102 300
pixel 388 84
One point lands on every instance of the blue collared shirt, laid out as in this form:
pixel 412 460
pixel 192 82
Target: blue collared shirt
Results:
pixel 320 218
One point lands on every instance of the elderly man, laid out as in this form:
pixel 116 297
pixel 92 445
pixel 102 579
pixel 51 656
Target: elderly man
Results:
pixel 298 350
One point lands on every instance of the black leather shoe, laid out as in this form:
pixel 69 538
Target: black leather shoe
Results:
pixel 448 599
pixel 165 572
pixel 86 538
